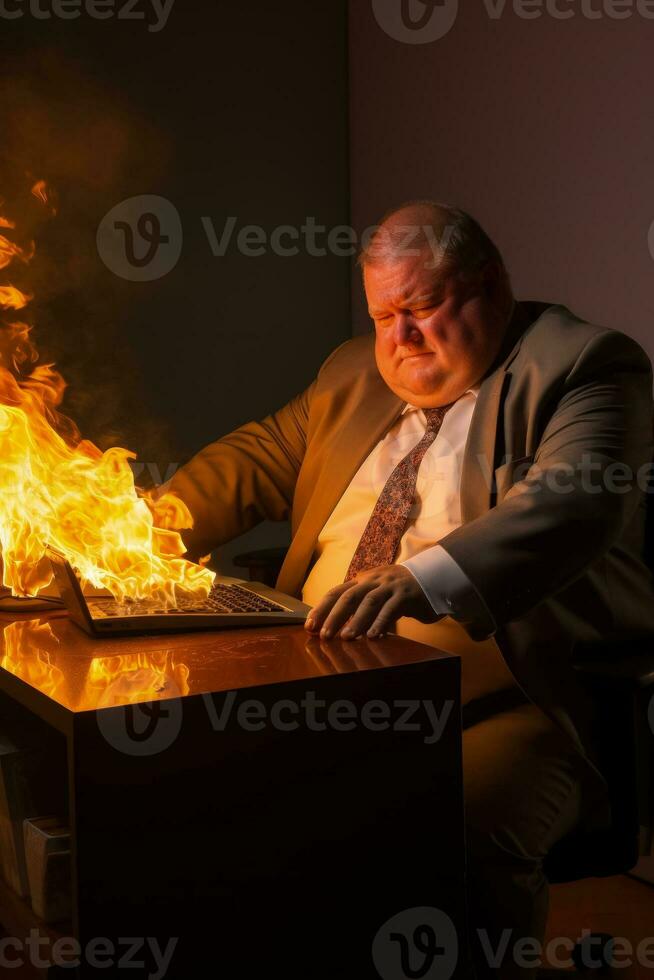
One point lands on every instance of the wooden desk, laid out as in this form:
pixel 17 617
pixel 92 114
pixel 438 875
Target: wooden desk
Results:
pixel 260 795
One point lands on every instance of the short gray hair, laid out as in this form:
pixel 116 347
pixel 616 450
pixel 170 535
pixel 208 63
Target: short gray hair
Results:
pixel 463 245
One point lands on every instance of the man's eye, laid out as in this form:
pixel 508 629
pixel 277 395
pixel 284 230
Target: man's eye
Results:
pixel 383 318
pixel 424 312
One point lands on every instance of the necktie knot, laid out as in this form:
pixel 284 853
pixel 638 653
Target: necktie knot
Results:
pixel 435 416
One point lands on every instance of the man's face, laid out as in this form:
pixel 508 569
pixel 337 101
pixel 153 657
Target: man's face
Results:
pixel 436 334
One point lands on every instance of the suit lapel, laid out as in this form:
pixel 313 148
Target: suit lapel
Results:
pixel 355 441
pixel 479 455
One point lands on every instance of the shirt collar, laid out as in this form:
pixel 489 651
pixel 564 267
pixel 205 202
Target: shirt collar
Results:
pixel 473 390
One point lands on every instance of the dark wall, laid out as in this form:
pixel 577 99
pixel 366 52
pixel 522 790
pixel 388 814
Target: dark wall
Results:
pixel 540 127
pixel 230 110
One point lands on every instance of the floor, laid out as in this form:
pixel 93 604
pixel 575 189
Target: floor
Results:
pixel 620 906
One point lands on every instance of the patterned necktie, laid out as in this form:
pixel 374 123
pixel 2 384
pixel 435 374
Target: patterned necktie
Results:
pixel 381 538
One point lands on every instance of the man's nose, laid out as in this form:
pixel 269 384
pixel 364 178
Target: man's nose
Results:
pixel 405 330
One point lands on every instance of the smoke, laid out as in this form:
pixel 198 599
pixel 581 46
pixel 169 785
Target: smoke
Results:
pixel 92 149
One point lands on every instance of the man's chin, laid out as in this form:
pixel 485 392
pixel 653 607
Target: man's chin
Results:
pixel 418 383
pixel 420 379
pixel 422 394
pixel 425 390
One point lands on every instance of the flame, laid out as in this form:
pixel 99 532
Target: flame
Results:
pixel 60 491
pixel 10 297
pixel 28 650
pixel 8 251
pixel 33 652
pixel 42 194
pixel 135 678
pixel 39 191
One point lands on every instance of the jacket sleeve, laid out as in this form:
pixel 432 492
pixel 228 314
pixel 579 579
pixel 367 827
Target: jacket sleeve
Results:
pixel 245 477
pixel 584 485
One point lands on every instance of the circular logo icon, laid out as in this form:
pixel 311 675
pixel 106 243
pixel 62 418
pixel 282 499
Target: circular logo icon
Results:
pixel 143 729
pixel 420 942
pixel 140 239
pixel 416 21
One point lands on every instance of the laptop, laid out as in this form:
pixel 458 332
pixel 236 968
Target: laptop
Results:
pixel 231 603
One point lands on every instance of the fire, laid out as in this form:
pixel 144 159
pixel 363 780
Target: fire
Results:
pixel 28 649
pixel 10 297
pixel 135 678
pixel 60 491
pixel 8 251
pixel 39 191
pixel 32 651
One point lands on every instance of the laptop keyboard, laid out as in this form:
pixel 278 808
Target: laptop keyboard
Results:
pixel 221 599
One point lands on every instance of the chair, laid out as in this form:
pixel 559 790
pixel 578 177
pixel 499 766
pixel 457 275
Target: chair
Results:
pixel 263 565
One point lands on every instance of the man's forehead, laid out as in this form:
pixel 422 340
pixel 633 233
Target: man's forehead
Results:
pixel 400 285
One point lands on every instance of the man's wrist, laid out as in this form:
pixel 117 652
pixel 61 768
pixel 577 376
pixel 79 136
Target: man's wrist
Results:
pixel 449 590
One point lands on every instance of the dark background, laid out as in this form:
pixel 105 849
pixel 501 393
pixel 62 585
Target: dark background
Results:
pixel 232 109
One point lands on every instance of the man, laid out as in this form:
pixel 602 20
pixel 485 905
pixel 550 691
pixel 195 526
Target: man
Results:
pixel 469 476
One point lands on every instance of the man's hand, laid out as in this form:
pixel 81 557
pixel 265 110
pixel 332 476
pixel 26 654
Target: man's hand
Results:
pixel 371 603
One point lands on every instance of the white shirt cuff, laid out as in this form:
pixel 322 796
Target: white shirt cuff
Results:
pixel 450 591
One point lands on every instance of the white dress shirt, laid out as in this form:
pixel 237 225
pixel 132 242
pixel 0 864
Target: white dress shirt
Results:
pixel 436 512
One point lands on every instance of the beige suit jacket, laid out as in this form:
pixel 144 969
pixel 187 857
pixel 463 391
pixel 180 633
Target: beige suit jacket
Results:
pixel 557 565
